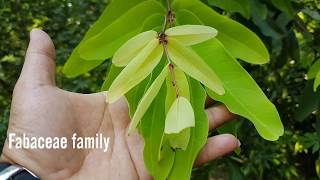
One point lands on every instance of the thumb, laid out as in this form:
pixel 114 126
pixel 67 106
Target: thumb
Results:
pixel 39 65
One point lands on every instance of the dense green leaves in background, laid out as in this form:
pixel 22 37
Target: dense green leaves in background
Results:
pixel 292 39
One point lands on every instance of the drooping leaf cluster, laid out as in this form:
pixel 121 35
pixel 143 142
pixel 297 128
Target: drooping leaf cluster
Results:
pixel 210 61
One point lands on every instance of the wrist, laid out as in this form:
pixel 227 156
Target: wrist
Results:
pixel 21 158
pixel 12 171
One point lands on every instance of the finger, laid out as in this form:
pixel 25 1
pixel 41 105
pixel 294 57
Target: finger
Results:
pixel 217 146
pixel 39 65
pixel 89 110
pixel 218 115
pixel 119 112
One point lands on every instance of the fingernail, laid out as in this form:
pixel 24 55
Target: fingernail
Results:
pixel 33 32
pixel 239 143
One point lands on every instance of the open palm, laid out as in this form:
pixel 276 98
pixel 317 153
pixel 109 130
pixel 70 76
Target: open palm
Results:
pixel 39 108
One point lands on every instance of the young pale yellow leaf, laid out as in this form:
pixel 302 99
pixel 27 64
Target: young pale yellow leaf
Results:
pixel 131 48
pixel 180 140
pixel 181 83
pixel 147 99
pixel 191 34
pixel 136 71
pixel 179 117
pixel 192 64
pixel 316 82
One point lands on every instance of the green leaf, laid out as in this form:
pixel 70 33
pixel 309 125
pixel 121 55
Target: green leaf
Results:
pixel 240 6
pixel 147 99
pixel 191 34
pixel 112 73
pixel 76 65
pixel 315 68
pixel 233 170
pixel 136 71
pixel 243 96
pixel 259 9
pixel 135 94
pixel 285 6
pixel 181 82
pixel 308 102
pixel 184 16
pixel 187 60
pixel 132 47
pixel 154 22
pixel 179 117
pixel 180 140
pixel 316 82
pixel 238 40
pixel 158 162
pixel 231 128
pixel 184 160
pixel 104 44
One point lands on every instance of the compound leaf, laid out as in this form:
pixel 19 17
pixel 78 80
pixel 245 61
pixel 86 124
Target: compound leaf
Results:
pixel 188 61
pixel 136 71
pixel 104 44
pixel 184 160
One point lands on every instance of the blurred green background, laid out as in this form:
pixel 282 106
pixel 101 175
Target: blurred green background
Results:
pixel 289 28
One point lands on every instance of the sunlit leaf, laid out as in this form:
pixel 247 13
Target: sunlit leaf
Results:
pixel 180 140
pixel 191 34
pixel 186 59
pixel 184 160
pixel 243 96
pixel 154 22
pixel 182 85
pixel 184 16
pixel 137 70
pixel 158 159
pixel 104 44
pixel 315 68
pixel 131 48
pixel 75 65
pixel 179 116
pixel 112 73
pixel 147 99
pixel 238 40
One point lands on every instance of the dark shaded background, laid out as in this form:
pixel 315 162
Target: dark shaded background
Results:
pixel 291 33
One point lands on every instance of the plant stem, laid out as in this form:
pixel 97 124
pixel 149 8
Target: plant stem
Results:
pixel 169 18
pixel 168 5
pixel 171 70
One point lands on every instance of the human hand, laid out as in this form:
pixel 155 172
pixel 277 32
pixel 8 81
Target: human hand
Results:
pixel 40 109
